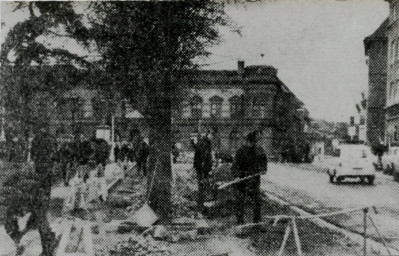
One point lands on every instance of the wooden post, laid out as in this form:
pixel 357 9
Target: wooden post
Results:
pixel 296 236
pixel 286 234
pixel 365 211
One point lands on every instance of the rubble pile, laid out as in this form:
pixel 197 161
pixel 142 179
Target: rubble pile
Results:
pixel 138 245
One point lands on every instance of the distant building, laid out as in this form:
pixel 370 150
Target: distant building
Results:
pixel 357 124
pixel 232 103
pixel 376 48
pixel 228 103
pixel 392 102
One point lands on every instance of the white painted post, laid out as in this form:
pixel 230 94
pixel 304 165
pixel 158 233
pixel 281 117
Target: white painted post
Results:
pixel 296 236
pixel 286 234
pixel 365 210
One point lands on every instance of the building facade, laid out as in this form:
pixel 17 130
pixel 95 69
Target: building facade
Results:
pixel 227 103
pixel 392 101
pixel 232 103
pixel 376 49
pixel 357 129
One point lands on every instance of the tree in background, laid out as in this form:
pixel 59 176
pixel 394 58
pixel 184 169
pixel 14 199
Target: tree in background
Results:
pixel 26 78
pixel 144 46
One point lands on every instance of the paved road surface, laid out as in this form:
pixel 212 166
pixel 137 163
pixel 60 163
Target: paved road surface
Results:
pixel 309 189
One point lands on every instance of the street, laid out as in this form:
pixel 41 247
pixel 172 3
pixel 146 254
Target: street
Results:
pixel 310 190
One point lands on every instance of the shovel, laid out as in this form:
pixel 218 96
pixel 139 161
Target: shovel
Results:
pixel 227 184
pixel 145 216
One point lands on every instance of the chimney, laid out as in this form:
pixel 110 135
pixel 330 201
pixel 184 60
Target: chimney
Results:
pixel 240 67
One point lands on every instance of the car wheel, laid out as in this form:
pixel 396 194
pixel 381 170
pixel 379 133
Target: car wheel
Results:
pixel 339 180
pixel 371 180
pixel 331 179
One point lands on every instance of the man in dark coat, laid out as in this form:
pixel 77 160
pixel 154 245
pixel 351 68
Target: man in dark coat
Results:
pixel 65 156
pixel 203 166
pixel 142 156
pixel 250 160
pixel 43 153
pixel 116 152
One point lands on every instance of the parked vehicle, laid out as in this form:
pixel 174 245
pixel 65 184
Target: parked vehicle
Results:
pixel 354 163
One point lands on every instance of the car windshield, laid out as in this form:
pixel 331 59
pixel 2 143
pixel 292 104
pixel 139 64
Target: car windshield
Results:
pixel 355 154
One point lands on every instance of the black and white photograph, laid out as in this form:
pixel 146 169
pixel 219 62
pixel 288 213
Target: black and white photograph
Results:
pixel 199 128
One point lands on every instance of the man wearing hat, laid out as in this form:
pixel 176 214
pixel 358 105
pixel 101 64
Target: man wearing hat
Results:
pixel 250 161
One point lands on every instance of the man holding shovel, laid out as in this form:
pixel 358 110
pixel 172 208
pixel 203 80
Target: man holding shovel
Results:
pixel 250 162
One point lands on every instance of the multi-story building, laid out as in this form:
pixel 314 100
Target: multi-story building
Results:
pixel 357 124
pixel 392 102
pixel 376 48
pixel 228 103
pixel 232 103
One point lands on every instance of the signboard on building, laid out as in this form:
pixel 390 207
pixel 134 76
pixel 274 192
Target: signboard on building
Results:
pixel 104 132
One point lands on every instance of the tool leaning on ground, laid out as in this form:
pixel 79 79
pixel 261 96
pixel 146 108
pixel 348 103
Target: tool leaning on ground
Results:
pixel 238 180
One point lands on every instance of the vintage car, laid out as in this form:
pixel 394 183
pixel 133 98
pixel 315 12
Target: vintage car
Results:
pixel 354 164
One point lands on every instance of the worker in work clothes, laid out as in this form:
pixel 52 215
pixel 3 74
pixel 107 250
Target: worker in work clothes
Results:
pixel 203 166
pixel 250 160
pixel 43 152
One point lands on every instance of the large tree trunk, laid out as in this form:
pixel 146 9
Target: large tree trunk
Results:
pixel 160 170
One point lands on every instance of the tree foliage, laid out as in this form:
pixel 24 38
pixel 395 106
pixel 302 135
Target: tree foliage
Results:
pixel 144 46
pixel 27 72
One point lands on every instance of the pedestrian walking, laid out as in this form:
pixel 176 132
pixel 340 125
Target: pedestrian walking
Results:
pixel 142 156
pixel 131 154
pixel 117 152
pixel 43 153
pixel 250 160
pixel 203 166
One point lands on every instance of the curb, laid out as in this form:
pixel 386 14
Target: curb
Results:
pixel 371 243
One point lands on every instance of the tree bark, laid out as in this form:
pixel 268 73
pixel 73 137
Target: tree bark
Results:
pixel 160 169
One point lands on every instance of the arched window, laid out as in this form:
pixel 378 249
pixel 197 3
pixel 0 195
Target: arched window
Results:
pixel 259 108
pixel 196 107
pixel 395 134
pixel 235 107
pixel 216 106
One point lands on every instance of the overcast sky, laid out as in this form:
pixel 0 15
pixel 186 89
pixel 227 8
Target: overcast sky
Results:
pixel 316 45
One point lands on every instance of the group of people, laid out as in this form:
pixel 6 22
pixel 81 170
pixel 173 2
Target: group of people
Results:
pixel 128 152
pixel 250 162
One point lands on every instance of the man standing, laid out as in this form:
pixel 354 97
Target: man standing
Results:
pixel 142 156
pixel 203 166
pixel 250 160
pixel 43 155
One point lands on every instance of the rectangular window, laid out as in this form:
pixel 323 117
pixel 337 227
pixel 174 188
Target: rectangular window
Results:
pixel 235 109
pixel 362 120
pixel 259 111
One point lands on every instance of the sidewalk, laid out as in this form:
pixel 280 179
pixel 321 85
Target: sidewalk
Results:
pixel 31 240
